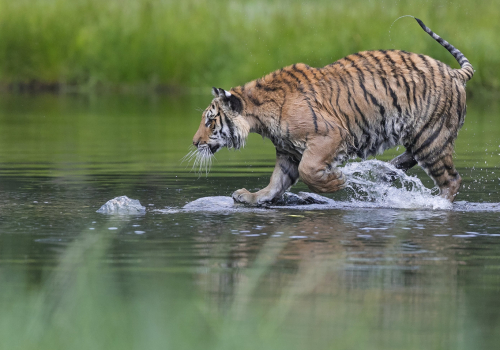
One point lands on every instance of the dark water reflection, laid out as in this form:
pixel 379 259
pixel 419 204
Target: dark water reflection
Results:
pixel 359 278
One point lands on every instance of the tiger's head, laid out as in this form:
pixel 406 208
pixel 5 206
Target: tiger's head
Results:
pixel 222 125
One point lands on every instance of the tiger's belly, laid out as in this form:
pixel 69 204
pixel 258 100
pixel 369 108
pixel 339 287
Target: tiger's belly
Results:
pixel 383 134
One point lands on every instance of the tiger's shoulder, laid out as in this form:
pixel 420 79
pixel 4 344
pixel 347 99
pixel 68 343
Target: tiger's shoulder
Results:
pixel 286 78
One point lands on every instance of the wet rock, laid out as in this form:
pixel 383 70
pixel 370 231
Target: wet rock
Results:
pixel 122 206
pixel 211 203
pixel 222 203
pixel 301 198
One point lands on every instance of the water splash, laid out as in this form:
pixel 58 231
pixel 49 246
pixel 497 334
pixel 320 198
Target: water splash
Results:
pixel 397 19
pixel 381 184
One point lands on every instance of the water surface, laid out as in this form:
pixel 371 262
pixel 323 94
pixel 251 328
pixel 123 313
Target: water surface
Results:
pixel 364 273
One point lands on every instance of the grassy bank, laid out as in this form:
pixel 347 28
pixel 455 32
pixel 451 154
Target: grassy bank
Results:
pixel 200 43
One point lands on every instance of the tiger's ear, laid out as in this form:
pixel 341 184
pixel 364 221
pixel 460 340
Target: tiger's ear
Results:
pixel 233 102
pixel 220 93
pixel 215 92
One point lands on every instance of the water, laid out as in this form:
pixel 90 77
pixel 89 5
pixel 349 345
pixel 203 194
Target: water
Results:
pixel 378 267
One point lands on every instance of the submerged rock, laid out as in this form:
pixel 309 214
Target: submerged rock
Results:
pixel 123 206
pixel 302 198
pixel 211 203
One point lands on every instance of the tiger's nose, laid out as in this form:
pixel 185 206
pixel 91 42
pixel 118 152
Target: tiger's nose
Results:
pixel 196 142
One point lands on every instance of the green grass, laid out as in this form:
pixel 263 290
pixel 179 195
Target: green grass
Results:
pixel 201 43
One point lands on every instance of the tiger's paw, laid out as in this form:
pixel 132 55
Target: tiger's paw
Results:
pixel 246 197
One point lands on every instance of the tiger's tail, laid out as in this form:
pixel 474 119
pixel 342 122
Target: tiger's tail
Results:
pixel 466 70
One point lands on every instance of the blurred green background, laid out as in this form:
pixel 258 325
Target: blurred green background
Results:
pixel 166 44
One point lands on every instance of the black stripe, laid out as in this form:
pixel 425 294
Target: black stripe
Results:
pixel 444 118
pixel 255 101
pixel 468 72
pixel 351 100
pixel 430 163
pixel 421 74
pixel 395 102
pixel 437 172
pixel 268 88
pixel 295 69
pixel 381 72
pixel 360 77
pixel 428 65
pixel 440 150
pixel 459 106
pixel 370 66
pixel 232 134
pixel 441 67
pixel 315 118
pixel 310 85
pixel 297 80
pixel 365 131
pixel 407 86
pixel 445 167
pixel 286 82
pixel 314 71
pixel 432 120
pixel 329 124
pixel 346 118
pixel 373 100
pixel 393 64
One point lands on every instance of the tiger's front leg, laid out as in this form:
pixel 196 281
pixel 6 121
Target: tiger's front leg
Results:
pixel 284 176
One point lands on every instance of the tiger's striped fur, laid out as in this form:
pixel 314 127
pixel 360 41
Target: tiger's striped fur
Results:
pixel 358 106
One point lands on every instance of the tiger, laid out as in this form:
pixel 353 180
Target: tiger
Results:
pixel 358 106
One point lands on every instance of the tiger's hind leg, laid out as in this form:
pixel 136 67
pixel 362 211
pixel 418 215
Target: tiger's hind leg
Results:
pixel 441 169
pixel 404 161
pixel 433 144
pixel 317 167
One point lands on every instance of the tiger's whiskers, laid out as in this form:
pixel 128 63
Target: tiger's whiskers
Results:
pixel 202 159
